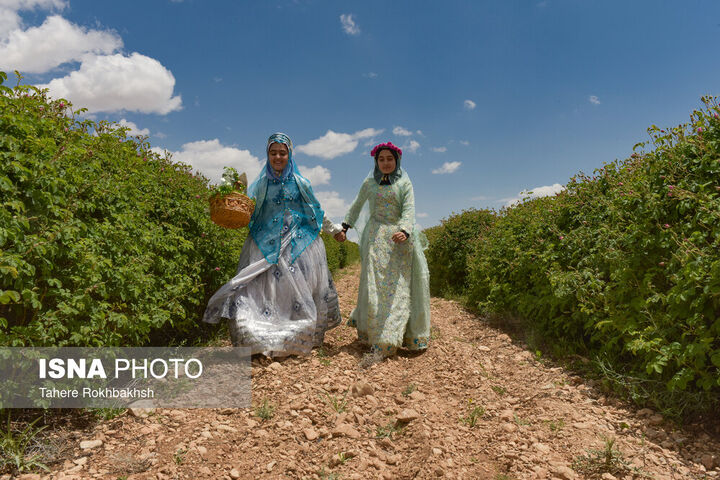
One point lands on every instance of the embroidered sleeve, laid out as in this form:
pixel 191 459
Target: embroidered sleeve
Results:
pixel 358 203
pixel 407 220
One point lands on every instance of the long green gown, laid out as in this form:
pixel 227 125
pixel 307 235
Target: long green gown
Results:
pixel 393 307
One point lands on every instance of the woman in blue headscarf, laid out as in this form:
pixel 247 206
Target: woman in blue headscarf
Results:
pixel 282 300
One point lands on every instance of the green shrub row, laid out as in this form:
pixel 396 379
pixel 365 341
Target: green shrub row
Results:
pixel 451 243
pixel 340 255
pixel 624 263
pixel 102 242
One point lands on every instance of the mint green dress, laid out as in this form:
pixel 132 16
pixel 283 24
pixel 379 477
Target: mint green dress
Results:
pixel 393 307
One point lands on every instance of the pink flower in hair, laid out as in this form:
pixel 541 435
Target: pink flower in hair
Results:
pixel 387 145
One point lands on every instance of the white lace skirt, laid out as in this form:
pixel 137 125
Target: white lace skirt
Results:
pixel 281 309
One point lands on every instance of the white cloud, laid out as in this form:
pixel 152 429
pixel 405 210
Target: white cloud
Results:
pixel 134 130
pixel 334 144
pixel 401 131
pixel 447 167
pixel 367 133
pixel 55 42
pixel 411 147
pixel 370 75
pixel 439 149
pixel 419 132
pixel 17 5
pixel 469 105
pixel 9 21
pixel 536 192
pixel 348 24
pixel 118 82
pixel 594 100
pixel 209 157
pixel 464 142
pixel 160 151
pixel 318 175
pixel 421 215
pixel 544 191
pixel 159 135
pixel 106 81
pixel 9 18
pixel 334 206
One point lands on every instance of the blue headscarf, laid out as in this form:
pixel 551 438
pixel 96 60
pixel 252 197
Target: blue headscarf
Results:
pixel 280 138
pixel 274 195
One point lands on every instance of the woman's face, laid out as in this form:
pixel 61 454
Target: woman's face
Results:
pixel 386 162
pixel 278 156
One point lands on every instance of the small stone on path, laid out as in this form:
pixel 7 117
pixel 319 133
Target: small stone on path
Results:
pixel 140 412
pixel 275 367
pixel 417 395
pixel 656 420
pixel 709 461
pixel 89 444
pixel 408 415
pixel 345 430
pixel 541 447
pixel 361 389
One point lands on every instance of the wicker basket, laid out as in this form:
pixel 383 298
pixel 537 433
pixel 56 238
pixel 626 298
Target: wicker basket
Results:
pixel 231 211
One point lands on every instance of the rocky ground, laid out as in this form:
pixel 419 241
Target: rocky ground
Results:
pixel 476 405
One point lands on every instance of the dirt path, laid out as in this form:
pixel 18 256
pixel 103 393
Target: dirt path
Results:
pixel 474 406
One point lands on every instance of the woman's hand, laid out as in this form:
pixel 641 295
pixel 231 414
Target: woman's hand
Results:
pixel 399 237
pixel 340 236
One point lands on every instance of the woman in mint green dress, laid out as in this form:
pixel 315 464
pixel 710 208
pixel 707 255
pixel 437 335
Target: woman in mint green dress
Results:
pixel 393 307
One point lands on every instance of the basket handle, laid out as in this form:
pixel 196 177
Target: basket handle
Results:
pixel 242 180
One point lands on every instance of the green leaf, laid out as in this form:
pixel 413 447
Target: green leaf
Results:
pixel 9 296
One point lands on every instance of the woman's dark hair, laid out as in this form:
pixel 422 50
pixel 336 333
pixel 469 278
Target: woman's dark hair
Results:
pixel 395 154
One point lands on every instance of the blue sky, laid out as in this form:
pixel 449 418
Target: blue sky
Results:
pixel 486 98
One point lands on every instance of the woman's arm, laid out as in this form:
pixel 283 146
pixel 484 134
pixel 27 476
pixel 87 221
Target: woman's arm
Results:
pixel 407 220
pixel 362 196
pixel 329 227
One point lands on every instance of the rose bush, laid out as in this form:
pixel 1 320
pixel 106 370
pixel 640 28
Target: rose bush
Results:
pixel 623 265
pixel 102 242
pixel 450 244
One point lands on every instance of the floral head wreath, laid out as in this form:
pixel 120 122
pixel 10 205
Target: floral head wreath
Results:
pixel 387 145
